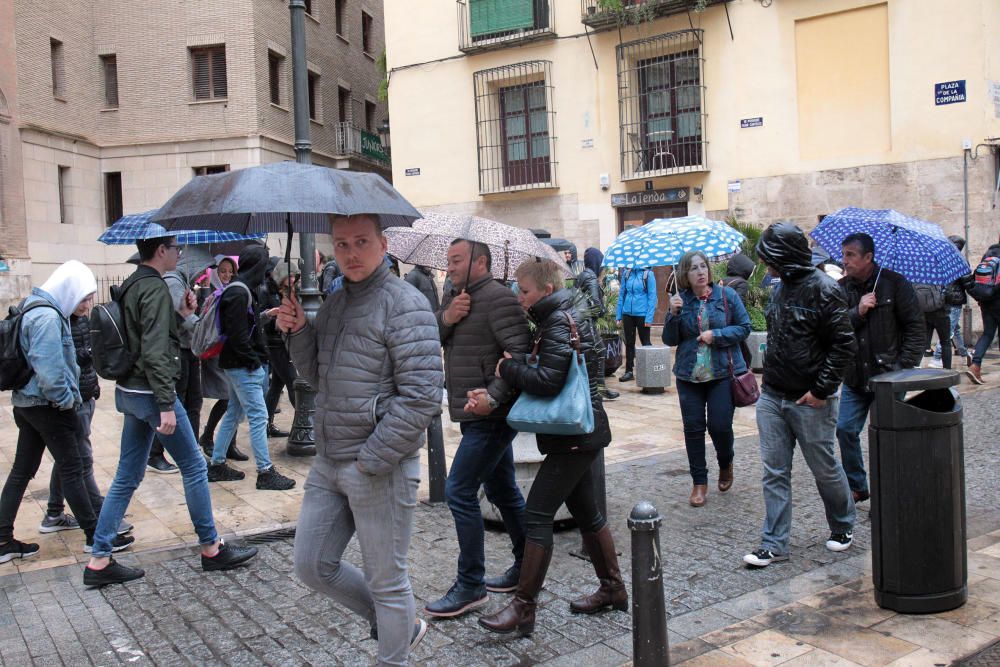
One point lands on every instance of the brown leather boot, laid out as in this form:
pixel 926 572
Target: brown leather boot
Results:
pixel 726 478
pixel 698 493
pixel 520 613
pixel 612 593
pixel 975 373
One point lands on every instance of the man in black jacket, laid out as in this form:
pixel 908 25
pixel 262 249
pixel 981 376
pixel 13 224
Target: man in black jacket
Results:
pixel 243 360
pixel 809 343
pixel 889 326
pixel 422 278
pixel 478 321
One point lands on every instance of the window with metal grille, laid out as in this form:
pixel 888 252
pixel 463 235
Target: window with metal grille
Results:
pixel 661 105
pixel 275 64
pixel 62 183
pixel 109 69
pixel 211 169
pixel 314 96
pixel 485 24
pixel 113 199
pixel 58 67
pixel 208 72
pixel 514 117
pixel 366 33
pixel 338 11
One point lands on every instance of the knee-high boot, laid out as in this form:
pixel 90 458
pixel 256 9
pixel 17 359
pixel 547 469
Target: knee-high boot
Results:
pixel 520 613
pixel 612 593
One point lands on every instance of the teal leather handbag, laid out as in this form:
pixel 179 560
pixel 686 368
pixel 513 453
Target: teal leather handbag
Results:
pixel 570 412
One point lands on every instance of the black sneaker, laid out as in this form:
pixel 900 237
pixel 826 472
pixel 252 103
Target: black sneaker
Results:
pixel 227 558
pixel 840 541
pixel 161 465
pixel 120 543
pixel 17 549
pixel 627 377
pixel 235 453
pixel 54 524
pixel 114 573
pixel 763 558
pixel 220 472
pixel 506 582
pixel 607 394
pixel 272 480
pixel 207 445
pixel 275 432
pixel 457 601
pixel 419 630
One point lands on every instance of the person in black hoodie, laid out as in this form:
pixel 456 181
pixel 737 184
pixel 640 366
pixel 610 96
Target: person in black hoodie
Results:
pixel 283 373
pixel 565 475
pixel 243 360
pixel 738 272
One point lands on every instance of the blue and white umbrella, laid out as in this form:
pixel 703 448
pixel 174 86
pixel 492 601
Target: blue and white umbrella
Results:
pixel 136 227
pixel 917 249
pixel 664 241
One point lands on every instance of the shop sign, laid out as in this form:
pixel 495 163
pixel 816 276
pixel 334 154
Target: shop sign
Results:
pixel 649 197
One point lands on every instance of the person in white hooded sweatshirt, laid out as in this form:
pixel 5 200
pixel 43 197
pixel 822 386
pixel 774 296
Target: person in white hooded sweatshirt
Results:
pixel 45 408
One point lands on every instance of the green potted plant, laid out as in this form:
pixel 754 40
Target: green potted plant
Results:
pixel 607 328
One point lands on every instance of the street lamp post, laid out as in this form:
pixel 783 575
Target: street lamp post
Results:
pixel 301 439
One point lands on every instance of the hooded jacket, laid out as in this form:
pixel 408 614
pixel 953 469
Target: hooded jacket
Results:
pixel 47 339
pixel 637 294
pixel 421 278
pixel 587 284
pixel 555 353
pixel 194 260
pixel 810 340
pixel 89 384
pixel 592 259
pixel 891 335
pixel 373 357
pixel 738 272
pixel 239 314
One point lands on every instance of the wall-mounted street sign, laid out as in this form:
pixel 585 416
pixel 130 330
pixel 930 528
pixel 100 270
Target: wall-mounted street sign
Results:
pixel 415 171
pixel 751 122
pixel 949 92
pixel 648 197
pixel 371 146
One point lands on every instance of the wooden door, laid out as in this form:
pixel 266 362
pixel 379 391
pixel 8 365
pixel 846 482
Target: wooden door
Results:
pixel 635 217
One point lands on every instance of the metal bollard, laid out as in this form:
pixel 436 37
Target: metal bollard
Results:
pixel 302 438
pixel 649 612
pixel 438 470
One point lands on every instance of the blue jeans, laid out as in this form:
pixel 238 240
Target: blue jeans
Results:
pixel 484 459
pixel 781 423
pixel 854 407
pixel 991 320
pixel 715 398
pixel 246 399
pixel 956 334
pixel 142 417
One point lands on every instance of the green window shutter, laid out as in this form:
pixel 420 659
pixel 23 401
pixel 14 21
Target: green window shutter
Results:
pixel 492 16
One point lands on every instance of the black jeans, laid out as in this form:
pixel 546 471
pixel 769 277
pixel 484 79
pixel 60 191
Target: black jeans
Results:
pixel 563 478
pixel 716 399
pixel 57 506
pixel 940 321
pixel 282 376
pixel 214 417
pixel 41 428
pixel 189 392
pixel 634 324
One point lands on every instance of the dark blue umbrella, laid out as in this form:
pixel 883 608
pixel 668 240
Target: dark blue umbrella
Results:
pixel 137 226
pixel 917 249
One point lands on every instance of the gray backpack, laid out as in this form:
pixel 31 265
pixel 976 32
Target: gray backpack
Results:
pixel 207 339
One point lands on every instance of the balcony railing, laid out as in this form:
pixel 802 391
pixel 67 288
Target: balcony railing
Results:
pixel 607 14
pixel 484 25
pixel 357 142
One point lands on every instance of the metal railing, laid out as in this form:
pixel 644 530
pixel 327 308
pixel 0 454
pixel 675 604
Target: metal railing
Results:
pixel 495 24
pixel 104 287
pixel 354 141
pixel 608 14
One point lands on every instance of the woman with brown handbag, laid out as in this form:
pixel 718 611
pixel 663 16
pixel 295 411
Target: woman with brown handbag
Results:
pixel 706 322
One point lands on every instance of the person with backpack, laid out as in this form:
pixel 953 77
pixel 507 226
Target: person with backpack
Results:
pixel 592 260
pixel 983 285
pixel 955 298
pixel 935 310
pixel 56 519
pixel 45 407
pixel 145 394
pixel 636 307
pixel 243 360
pixel 889 327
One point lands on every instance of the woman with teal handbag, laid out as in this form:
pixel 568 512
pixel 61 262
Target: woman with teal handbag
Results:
pixel 565 354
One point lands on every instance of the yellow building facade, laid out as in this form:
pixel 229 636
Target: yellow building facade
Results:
pixel 583 117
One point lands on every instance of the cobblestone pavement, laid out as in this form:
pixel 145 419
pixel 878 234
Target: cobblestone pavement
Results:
pixel 720 612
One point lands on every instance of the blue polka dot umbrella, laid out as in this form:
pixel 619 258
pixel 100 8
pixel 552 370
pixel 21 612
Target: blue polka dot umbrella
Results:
pixel 917 249
pixel 664 241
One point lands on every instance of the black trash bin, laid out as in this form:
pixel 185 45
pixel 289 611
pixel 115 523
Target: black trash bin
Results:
pixel 917 492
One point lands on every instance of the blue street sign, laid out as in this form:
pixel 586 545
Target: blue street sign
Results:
pixel 949 92
pixel 751 122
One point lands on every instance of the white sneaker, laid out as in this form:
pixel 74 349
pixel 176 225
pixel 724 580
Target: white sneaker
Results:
pixel 763 558
pixel 935 363
pixel 840 541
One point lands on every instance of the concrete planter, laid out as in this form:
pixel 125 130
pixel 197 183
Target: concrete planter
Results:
pixel 527 461
pixel 758 344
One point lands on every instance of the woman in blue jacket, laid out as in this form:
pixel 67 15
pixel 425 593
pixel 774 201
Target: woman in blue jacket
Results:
pixel 706 323
pixel 636 306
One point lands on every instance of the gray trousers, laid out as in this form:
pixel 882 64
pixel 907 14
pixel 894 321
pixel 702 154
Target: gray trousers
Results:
pixel 340 500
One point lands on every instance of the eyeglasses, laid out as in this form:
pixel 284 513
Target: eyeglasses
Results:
pixel 180 249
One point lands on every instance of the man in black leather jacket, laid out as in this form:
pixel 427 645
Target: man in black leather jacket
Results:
pixel 889 326
pixel 809 343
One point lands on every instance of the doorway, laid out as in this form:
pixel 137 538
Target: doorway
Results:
pixel 638 216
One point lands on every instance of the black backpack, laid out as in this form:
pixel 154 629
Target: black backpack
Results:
pixel 14 369
pixel 113 359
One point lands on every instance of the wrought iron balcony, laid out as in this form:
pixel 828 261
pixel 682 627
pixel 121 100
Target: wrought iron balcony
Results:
pixel 353 141
pixel 607 14
pixel 484 25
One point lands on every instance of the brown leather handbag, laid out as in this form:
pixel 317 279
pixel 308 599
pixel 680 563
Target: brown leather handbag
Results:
pixel 744 386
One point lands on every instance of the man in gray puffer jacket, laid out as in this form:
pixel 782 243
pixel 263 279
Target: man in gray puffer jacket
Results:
pixel 373 356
